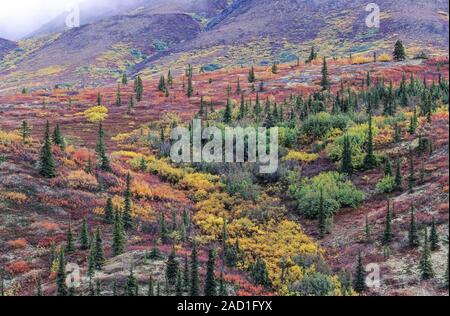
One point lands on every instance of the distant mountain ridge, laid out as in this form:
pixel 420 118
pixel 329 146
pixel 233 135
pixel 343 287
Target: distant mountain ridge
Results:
pixel 5 47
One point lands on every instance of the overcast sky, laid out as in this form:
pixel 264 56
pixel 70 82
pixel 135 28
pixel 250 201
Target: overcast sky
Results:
pixel 20 17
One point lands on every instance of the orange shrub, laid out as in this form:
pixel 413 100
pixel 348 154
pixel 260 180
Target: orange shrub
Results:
pixel 18 267
pixel 18 243
pixel 46 225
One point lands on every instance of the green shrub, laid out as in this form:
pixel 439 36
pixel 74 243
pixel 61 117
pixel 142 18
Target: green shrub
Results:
pixel 316 284
pixel 318 125
pixel 385 185
pixel 338 192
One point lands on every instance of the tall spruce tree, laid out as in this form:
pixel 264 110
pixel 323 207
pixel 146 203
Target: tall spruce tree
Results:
pixel 101 149
pixel 359 283
pixel 131 287
pixel 413 235
pixel 70 247
pixel 127 209
pixel 425 265
pixel 398 175
pixel 325 82
pixel 399 51
pixel 108 214
pixel 194 288
pixel 347 164
pixel 210 281
pixel 322 216
pixel 61 288
pixel 99 256
pixel 370 161
pixel 47 163
pixel 172 268
pixel 387 236
pixel 434 237
pixel 84 235
pixel 118 243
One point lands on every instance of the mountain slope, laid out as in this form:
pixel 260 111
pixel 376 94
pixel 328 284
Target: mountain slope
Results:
pixel 94 12
pixel 5 47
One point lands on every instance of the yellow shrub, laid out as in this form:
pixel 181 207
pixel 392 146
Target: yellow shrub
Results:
pixel 15 197
pixel 300 156
pixel 96 114
pixel 199 181
pixel 384 58
pixel 362 60
pixel 79 179
pixel 8 138
pixel 141 190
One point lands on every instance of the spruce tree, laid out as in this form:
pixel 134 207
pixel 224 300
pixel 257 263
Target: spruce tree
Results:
pixel 370 161
pixel 69 240
pixel 24 132
pixel 367 230
pixel 118 243
pixel 131 287
pixel 387 236
pixel 190 89
pixel 101 150
pixel 387 167
pixel 346 164
pixel 412 176
pixel 99 256
pixel 172 268
pixel 359 283
pixel 61 288
pixel 227 115
pixel 164 232
pixel 210 281
pixel 127 219
pixel 99 99
pixel 413 236
pixel 179 285
pixel 150 291
pixel 186 274
pixel 57 137
pixel 399 51
pixel 222 287
pixel 162 84
pixel 251 75
pixel 84 235
pixel 108 214
pixel 194 288
pixel 124 79
pixel 39 286
pixel 425 265
pixel 398 175
pixel 259 274
pixel 47 163
pixel 118 97
pixel 434 237
pixel 325 82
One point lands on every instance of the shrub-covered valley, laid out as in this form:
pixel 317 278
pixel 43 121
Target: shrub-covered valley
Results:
pixel 86 179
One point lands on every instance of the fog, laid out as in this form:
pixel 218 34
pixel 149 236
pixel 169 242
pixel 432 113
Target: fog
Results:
pixel 19 18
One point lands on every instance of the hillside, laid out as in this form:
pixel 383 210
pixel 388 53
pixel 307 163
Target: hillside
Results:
pixel 5 47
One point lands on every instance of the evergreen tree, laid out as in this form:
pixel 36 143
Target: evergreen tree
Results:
pixel 61 288
pixel 47 163
pixel 359 283
pixel 164 232
pixel 131 105
pixel 346 164
pixel 259 274
pixel 275 68
pixel 99 256
pixel 101 150
pixel 131 288
pixel 238 86
pixel 69 240
pixel 84 235
pixel 434 237
pixel 24 132
pixel 425 265
pixel 190 89
pixel 150 291
pixel 412 176
pixel 172 268
pixel 398 175
pixel 118 97
pixel 108 215
pixel 412 234
pixel 169 78
pixel 162 84
pixel 312 55
pixel 57 137
pixel 325 82
pixel 99 99
pixel 118 243
pixel 124 79
pixel 127 219
pixel 251 75
pixel 210 281
pixel 399 51
pixel 186 274
pixel 242 108
pixel 227 115
pixel 387 167
pixel 138 88
pixel 179 285
pixel 387 236
pixel 194 288
pixel 39 286
pixel 222 287
pixel 370 161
